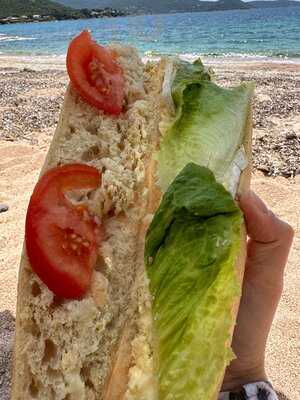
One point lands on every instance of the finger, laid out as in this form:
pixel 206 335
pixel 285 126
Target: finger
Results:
pixel 262 225
pixel 268 246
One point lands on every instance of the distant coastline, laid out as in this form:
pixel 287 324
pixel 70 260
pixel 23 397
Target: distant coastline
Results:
pixel 79 14
pixel 62 10
pixel 136 7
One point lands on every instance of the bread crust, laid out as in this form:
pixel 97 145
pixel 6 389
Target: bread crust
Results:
pixel 24 273
pixel 20 375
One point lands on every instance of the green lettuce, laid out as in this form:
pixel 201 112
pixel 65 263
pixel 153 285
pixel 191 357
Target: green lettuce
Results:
pixel 191 248
pixel 209 124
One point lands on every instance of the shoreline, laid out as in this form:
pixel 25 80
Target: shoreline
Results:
pixel 57 61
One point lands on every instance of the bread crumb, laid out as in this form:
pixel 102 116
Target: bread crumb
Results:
pixel 99 289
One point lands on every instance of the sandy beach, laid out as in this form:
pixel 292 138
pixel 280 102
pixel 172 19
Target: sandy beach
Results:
pixel 31 94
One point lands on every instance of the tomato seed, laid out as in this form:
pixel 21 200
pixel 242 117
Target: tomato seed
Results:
pixel 97 220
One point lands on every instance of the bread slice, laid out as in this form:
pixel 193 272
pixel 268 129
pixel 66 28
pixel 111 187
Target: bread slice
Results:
pixel 99 348
pixel 66 349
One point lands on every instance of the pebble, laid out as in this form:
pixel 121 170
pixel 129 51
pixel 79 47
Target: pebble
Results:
pixel 291 135
pixel 28 70
pixel 3 208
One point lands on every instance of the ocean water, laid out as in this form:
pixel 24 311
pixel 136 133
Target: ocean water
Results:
pixel 261 33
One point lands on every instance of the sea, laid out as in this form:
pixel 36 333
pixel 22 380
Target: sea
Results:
pixel 257 34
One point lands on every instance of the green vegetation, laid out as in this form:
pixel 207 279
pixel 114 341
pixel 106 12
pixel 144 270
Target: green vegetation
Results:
pixel 17 8
pixel 74 9
pixel 167 6
pixel 12 11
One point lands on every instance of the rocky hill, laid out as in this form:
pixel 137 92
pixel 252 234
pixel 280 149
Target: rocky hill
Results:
pixel 167 6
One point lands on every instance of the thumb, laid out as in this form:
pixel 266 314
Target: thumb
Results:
pixel 262 225
pixel 269 243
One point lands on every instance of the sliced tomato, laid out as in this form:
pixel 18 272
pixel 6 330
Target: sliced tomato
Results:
pixel 61 238
pixel 95 74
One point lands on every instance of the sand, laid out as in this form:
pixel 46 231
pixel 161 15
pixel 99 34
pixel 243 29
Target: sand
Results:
pixel 29 106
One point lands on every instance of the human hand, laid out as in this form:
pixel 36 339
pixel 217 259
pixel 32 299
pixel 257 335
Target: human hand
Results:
pixel 268 247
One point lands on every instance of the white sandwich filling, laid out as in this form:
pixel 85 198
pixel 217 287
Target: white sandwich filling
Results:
pixel 239 164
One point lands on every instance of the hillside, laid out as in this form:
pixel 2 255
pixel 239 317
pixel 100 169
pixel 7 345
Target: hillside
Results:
pixel 158 6
pixel 165 6
pixel 31 7
pixel 67 9
pixel 274 4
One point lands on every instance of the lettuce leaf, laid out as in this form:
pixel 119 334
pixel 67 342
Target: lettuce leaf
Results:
pixel 191 248
pixel 209 124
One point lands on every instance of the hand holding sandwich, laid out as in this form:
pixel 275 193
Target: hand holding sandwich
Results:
pixel 269 243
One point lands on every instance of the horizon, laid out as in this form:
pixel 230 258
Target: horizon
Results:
pixel 248 1
pixel 245 1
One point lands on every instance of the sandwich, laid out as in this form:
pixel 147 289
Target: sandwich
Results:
pixel 134 251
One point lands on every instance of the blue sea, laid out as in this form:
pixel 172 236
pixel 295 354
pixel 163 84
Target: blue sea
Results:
pixel 261 33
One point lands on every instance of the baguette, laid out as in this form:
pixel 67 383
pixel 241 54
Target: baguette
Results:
pixel 101 346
